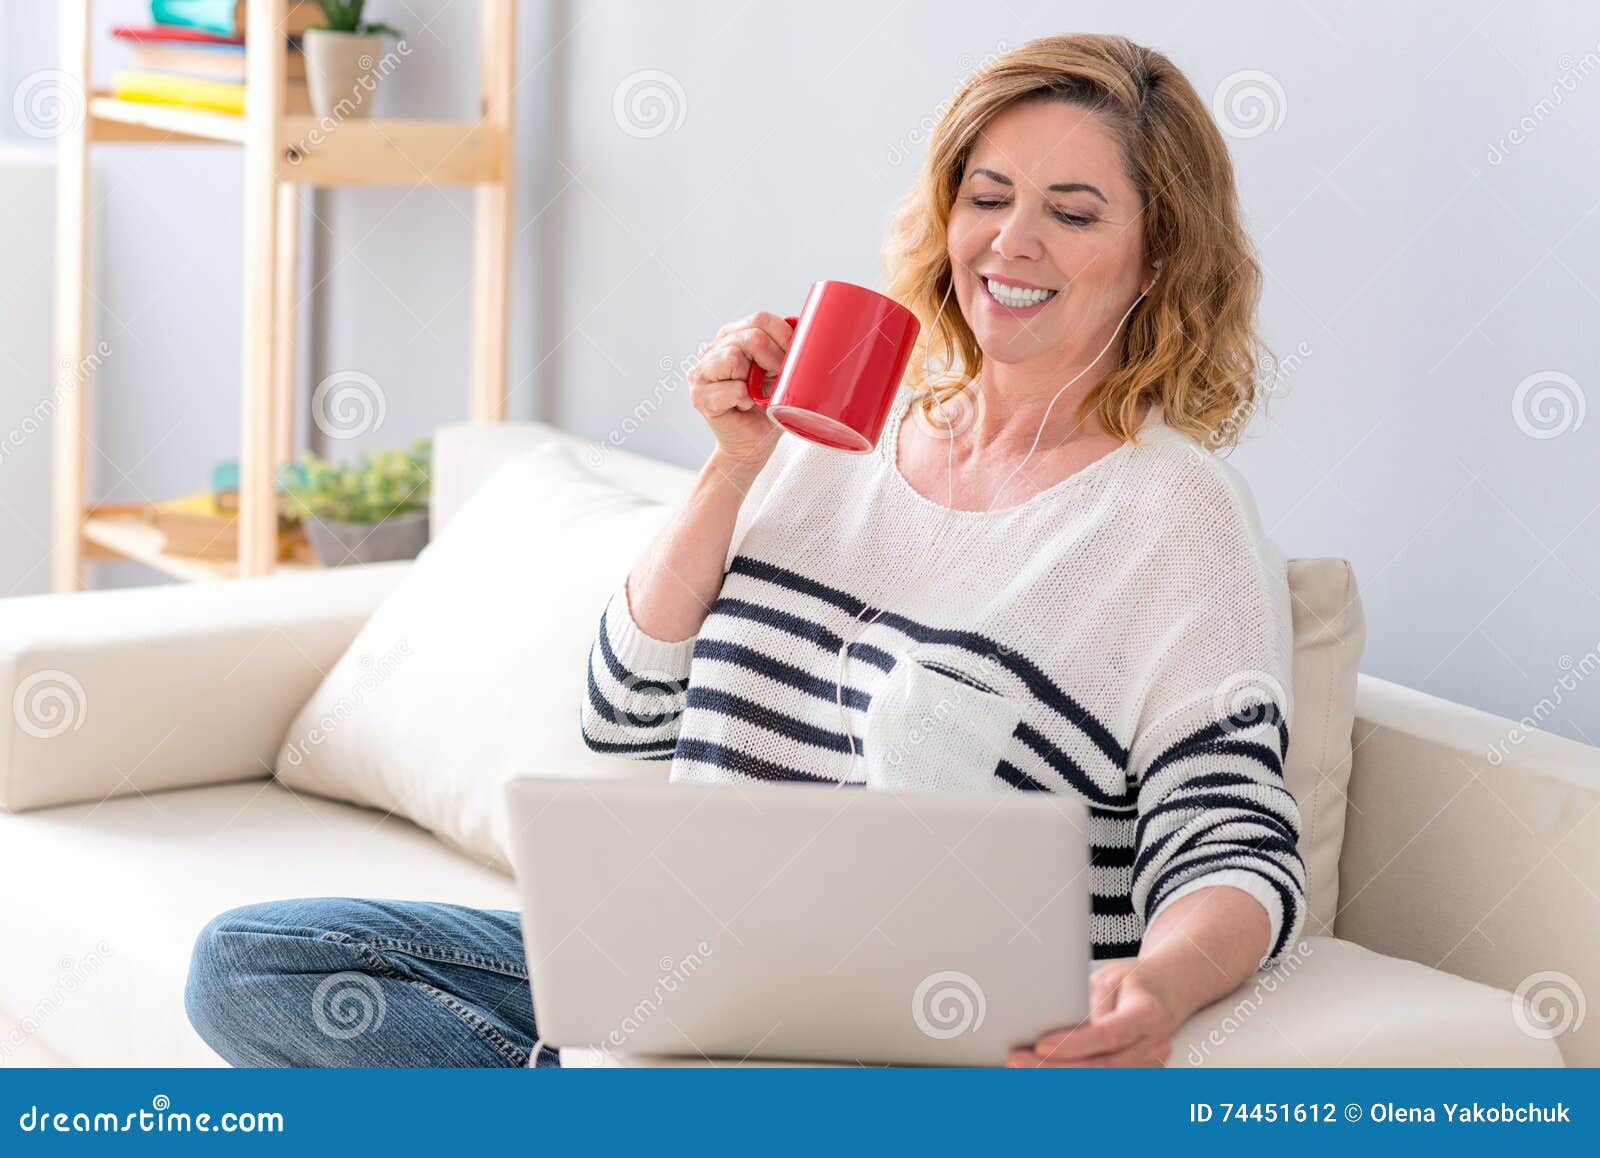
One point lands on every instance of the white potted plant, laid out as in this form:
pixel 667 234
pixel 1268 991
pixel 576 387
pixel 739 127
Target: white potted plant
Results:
pixel 342 60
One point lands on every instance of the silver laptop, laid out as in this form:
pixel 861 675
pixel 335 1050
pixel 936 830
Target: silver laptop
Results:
pixel 800 922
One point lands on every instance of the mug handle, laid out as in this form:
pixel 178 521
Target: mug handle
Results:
pixel 756 378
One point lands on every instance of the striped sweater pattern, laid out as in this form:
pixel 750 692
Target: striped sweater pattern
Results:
pixel 1123 636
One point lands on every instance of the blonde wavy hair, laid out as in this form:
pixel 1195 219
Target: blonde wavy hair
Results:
pixel 1192 345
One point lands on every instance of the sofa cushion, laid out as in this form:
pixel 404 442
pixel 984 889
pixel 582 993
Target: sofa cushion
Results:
pixel 470 674
pixel 96 955
pixel 1337 1004
pixel 1329 634
pixel 1332 1004
pixel 466 455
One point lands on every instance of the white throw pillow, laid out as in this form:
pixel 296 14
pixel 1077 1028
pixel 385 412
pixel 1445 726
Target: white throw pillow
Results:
pixel 470 673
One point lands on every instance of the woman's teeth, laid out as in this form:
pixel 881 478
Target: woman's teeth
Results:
pixel 1015 297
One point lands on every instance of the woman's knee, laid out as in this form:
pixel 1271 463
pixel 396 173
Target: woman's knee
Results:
pixel 247 969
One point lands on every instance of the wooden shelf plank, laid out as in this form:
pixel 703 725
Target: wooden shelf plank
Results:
pixel 316 152
pixel 119 120
pixel 124 534
pixel 391 152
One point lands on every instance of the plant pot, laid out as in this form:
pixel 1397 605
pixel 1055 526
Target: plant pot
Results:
pixel 342 72
pixel 337 544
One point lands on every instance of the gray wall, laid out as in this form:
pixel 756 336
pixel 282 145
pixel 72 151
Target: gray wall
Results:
pixel 1422 194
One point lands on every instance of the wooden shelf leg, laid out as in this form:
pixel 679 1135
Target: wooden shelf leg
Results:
pixel 258 503
pixel 71 364
pixel 287 269
pixel 491 256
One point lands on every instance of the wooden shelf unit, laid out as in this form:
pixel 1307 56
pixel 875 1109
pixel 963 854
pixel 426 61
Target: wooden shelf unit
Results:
pixel 282 153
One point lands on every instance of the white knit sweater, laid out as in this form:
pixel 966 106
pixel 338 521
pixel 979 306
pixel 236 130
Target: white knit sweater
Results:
pixel 1123 635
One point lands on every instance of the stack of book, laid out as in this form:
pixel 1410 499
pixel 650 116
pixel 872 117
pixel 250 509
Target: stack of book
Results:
pixel 193 55
pixel 205 525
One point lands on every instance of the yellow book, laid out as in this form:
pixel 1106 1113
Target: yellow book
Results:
pixel 199 503
pixel 164 88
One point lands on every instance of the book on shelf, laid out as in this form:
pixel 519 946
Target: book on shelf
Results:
pixel 227 17
pixel 165 88
pixel 204 525
pixel 203 61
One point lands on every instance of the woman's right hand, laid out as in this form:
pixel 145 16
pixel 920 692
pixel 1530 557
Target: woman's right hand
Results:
pixel 718 389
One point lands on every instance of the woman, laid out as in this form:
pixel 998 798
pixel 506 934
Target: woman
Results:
pixel 1041 579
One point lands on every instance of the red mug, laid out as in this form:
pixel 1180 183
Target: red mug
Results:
pixel 839 377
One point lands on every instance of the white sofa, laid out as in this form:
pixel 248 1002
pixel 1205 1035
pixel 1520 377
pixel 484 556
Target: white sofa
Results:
pixel 1463 878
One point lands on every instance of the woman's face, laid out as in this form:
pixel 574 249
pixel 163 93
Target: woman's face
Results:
pixel 1044 205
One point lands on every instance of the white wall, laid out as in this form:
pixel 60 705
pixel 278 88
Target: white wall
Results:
pixel 1424 281
pixel 1415 278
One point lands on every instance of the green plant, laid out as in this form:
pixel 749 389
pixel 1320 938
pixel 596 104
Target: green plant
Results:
pixel 345 16
pixel 381 485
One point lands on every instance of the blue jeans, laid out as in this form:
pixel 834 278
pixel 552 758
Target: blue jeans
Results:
pixel 340 981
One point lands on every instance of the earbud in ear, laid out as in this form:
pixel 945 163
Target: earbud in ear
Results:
pixel 1156 265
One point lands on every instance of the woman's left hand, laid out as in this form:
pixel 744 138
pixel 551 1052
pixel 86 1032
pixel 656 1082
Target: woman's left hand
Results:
pixel 1130 1023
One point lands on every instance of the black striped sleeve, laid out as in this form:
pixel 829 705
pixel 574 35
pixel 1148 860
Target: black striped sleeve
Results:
pixel 635 687
pixel 1213 808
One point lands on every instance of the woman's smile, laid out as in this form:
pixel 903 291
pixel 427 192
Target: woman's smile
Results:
pixel 1014 299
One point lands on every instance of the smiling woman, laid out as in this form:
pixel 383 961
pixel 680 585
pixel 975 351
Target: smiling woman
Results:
pixel 1070 165
pixel 1117 629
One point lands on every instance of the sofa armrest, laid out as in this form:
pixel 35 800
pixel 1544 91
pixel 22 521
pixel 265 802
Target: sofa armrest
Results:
pixel 1472 845
pixel 144 688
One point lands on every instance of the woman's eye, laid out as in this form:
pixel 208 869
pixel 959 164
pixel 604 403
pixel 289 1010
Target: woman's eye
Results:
pixel 1073 219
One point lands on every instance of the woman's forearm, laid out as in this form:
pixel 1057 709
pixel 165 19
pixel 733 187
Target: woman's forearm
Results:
pixel 675 581
pixel 1203 946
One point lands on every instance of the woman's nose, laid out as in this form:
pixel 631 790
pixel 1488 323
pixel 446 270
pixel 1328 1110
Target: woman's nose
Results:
pixel 1015 237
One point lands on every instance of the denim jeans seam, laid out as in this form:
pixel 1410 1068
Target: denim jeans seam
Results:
pixel 496 1040
pixel 442 953
pixel 451 956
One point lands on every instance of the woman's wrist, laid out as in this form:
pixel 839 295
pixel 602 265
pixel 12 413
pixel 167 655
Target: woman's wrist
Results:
pixel 738 470
pixel 1163 976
